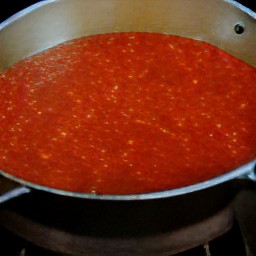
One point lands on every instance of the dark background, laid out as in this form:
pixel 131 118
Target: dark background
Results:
pixel 9 7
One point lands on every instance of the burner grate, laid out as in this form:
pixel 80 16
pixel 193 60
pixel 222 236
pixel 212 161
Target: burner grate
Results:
pixel 230 243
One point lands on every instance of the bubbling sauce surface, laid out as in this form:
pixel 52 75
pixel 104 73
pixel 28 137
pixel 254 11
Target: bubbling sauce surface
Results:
pixel 126 113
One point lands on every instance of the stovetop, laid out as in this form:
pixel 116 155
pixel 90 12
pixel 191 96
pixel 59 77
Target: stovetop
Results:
pixel 239 241
pixel 229 244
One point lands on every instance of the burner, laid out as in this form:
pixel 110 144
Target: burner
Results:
pixel 77 245
pixel 78 227
pixel 118 228
pixel 107 228
pixel 231 243
pixel 43 224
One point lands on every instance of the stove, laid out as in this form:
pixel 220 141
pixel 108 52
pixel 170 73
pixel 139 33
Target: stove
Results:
pixel 35 224
pixel 231 230
pixel 231 243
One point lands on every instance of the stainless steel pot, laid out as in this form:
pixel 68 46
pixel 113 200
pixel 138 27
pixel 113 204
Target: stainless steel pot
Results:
pixel 225 24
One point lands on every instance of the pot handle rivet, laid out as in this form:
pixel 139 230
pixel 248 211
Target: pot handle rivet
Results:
pixel 239 28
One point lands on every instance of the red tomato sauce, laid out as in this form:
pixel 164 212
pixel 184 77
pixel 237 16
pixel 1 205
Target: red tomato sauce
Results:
pixel 127 113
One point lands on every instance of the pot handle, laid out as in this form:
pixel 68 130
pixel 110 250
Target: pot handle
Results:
pixel 10 190
pixel 16 192
pixel 251 176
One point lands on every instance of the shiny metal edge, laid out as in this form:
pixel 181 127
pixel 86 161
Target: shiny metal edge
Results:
pixel 243 8
pixel 243 170
pixel 17 192
pixel 38 5
pixel 24 12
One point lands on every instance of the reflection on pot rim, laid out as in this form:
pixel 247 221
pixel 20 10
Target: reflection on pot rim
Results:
pixel 245 171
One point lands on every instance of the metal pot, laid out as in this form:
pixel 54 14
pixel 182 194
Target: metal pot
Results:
pixel 225 24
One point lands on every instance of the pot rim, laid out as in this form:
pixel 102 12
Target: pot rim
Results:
pixel 43 3
pixel 239 172
pixel 242 171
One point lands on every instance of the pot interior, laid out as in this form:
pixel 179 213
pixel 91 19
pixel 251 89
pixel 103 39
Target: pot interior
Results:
pixel 49 23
